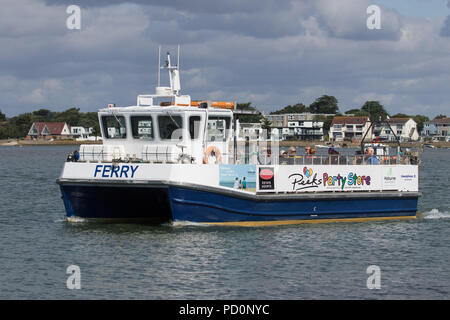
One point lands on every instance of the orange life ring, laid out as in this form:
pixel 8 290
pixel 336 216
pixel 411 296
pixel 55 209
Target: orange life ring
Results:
pixel 208 152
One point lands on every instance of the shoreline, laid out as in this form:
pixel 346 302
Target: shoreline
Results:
pixel 24 142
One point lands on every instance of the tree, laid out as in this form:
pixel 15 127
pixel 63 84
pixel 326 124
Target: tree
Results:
pixel 248 118
pixel 267 125
pixel 325 104
pixel 353 111
pixel 441 116
pixel 297 108
pixel 44 113
pixel 71 116
pixel 2 116
pixel 375 110
pixel 420 120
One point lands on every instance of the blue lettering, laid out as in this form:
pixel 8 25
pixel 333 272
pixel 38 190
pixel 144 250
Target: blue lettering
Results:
pixel 106 169
pixel 133 171
pixel 350 179
pixel 115 171
pixel 97 169
pixel 124 171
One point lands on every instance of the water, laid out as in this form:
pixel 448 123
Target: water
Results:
pixel 124 261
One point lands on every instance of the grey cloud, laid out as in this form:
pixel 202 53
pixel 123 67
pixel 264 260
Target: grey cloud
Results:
pixel 273 56
pixel 348 19
pixel 193 6
pixel 445 31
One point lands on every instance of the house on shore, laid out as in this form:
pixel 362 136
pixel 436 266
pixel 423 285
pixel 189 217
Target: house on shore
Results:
pixel 299 126
pixel 81 133
pixel 344 128
pixel 438 129
pixel 405 129
pixel 49 130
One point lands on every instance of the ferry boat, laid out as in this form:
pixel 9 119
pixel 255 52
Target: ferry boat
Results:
pixel 172 159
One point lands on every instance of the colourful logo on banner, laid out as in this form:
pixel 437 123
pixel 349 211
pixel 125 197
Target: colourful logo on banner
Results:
pixel 306 180
pixel 351 180
pixel 309 180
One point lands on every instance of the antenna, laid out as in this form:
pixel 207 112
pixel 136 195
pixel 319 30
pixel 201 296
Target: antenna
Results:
pixel 178 59
pixel 159 65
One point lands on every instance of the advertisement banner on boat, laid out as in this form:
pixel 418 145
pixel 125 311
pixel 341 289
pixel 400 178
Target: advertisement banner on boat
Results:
pixel 240 177
pixel 338 178
pixel 266 179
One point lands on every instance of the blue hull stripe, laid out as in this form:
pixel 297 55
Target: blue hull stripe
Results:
pixel 178 203
pixel 284 213
pixel 208 207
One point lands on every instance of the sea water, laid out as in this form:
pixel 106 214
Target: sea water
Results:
pixel 127 261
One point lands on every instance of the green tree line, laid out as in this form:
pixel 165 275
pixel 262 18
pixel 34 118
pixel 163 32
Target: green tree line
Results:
pixel 326 107
pixel 18 126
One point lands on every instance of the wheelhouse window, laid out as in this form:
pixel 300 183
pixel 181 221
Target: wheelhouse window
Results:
pixel 142 127
pixel 218 128
pixel 168 124
pixel 194 126
pixel 114 127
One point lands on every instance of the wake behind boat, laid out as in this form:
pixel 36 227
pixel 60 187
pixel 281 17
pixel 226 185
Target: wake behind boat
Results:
pixel 171 159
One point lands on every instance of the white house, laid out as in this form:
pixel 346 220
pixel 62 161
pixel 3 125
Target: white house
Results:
pixel 81 132
pixel 404 128
pixel 253 131
pixel 47 130
pixel 349 128
pixel 300 125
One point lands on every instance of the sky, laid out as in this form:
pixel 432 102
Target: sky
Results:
pixel 272 53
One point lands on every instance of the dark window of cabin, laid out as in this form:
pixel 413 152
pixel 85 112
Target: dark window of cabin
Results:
pixel 142 127
pixel 114 127
pixel 170 127
pixel 194 126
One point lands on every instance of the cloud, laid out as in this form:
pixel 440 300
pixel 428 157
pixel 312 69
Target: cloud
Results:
pixel 348 19
pixel 445 31
pixel 265 51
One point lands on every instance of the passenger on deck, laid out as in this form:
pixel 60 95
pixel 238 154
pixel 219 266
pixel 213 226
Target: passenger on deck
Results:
pixel 332 151
pixel 358 157
pixel 333 155
pixel 372 159
pixel 307 150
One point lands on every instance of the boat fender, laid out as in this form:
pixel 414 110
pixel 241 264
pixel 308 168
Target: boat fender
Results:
pixel 212 151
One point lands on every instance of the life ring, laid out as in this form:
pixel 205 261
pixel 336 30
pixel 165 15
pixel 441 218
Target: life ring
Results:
pixel 217 154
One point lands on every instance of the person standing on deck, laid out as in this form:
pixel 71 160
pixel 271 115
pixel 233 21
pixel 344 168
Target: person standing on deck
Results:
pixel 372 158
